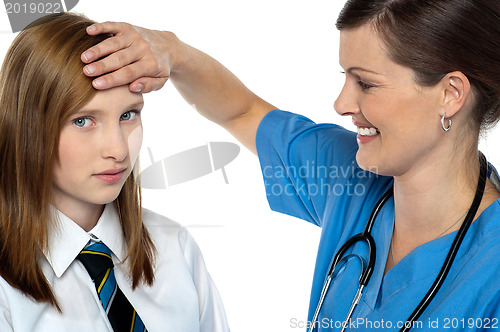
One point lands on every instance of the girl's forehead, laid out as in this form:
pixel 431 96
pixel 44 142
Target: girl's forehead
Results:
pixel 118 98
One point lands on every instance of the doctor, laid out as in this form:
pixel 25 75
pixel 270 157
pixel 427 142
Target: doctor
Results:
pixel 421 84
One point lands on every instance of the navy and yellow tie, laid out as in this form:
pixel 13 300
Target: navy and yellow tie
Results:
pixel 97 260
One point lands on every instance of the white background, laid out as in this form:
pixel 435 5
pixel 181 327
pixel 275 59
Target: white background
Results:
pixel 287 53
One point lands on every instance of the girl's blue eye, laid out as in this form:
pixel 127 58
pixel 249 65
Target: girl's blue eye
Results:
pixel 127 116
pixel 82 122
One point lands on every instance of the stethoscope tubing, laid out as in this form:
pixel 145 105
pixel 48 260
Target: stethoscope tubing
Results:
pixel 452 253
pixel 368 271
pixel 364 236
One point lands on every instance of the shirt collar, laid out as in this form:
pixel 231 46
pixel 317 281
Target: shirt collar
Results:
pixel 67 239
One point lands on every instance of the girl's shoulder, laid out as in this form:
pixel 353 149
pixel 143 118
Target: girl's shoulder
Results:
pixel 153 219
pixel 167 234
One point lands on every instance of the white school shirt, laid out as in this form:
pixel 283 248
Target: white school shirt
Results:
pixel 183 297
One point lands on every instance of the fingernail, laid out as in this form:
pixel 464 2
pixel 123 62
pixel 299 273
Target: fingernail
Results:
pixel 88 56
pixel 91 28
pixel 98 83
pixel 138 88
pixel 90 69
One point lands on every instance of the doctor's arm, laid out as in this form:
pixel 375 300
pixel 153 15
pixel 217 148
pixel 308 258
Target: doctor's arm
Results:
pixel 147 59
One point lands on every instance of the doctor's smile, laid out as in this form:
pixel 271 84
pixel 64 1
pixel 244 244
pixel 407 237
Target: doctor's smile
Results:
pixel 366 133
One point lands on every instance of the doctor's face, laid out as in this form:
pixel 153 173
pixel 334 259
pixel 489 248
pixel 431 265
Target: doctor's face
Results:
pixel 98 147
pixel 398 121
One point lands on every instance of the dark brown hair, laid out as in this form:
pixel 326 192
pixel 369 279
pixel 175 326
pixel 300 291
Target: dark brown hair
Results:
pixel 41 85
pixel 436 37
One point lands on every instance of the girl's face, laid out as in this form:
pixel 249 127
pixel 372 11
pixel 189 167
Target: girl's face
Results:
pixel 98 147
pixel 398 121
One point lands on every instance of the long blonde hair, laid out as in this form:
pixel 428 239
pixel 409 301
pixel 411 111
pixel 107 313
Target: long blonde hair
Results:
pixel 41 85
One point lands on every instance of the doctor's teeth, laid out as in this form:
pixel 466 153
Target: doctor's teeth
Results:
pixel 367 131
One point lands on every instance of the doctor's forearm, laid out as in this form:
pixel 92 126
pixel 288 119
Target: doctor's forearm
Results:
pixel 148 58
pixel 217 93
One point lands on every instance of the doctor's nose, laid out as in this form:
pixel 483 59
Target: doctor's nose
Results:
pixel 114 144
pixel 346 103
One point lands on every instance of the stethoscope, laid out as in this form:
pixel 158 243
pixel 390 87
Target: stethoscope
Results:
pixel 365 236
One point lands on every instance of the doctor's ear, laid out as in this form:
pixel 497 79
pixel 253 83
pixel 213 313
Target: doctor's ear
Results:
pixel 456 91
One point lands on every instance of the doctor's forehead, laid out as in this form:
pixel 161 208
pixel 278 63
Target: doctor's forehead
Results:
pixel 362 48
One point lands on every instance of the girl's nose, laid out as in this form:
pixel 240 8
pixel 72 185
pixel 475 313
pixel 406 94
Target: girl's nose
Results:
pixel 115 144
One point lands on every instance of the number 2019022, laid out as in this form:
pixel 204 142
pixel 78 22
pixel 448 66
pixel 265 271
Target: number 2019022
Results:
pixel 484 323
pixel 32 8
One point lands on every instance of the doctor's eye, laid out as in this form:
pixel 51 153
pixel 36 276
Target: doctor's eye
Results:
pixel 130 115
pixel 364 86
pixel 82 122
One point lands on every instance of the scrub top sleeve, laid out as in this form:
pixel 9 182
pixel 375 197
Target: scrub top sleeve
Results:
pixel 211 309
pixel 303 163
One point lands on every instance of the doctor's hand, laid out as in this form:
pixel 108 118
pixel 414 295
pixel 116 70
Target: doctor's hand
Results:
pixel 147 59
pixel 132 55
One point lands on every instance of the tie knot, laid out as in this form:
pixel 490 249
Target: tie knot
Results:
pixel 96 258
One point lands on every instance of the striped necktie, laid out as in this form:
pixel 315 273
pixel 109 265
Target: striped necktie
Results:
pixel 97 260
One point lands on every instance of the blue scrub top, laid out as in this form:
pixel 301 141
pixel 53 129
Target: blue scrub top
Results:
pixel 310 172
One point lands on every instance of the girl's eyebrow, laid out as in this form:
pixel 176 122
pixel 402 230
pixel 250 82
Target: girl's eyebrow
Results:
pixel 93 112
pixel 88 112
pixel 139 104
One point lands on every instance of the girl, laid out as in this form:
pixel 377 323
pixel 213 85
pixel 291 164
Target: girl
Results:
pixel 68 195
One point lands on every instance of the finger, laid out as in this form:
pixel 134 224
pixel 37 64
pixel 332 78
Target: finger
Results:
pixel 106 47
pixel 147 84
pixel 115 28
pixel 121 76
pixel 113 61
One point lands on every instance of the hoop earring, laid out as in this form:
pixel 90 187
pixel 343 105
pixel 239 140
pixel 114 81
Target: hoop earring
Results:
pixel 442 123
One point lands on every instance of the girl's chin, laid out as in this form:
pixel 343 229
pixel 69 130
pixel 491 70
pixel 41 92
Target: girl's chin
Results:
pixel 106 198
